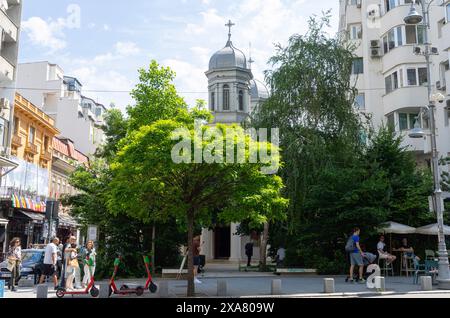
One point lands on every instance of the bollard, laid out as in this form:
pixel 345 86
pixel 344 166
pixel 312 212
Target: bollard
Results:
pixel 426 283
pixel 104 290
pixel 276 287
pixel 42 291
pixel 380 283
pixel 222 288
pixel 328 284
pixel 163 289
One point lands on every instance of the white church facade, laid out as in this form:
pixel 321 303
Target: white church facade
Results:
pixel 233 95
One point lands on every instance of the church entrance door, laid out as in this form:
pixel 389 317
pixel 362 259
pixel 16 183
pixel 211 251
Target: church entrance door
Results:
pixel 222 242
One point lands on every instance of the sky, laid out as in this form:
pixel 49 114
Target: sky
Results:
pixel 104 42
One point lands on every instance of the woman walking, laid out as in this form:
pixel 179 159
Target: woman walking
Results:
pixel 14 260
pixel 89 256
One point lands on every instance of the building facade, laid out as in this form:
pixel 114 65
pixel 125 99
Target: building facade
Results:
pixel 233 95
pixel 391 79
pixel 65 160
pixel 60 96
pixel 25 190
pixel 10 20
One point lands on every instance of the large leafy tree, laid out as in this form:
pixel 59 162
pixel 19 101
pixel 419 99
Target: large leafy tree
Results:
pixel 148 184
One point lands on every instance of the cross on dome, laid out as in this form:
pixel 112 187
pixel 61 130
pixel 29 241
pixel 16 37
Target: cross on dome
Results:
pixel 229 25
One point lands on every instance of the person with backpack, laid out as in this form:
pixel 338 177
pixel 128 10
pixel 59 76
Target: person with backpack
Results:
pixel 356 255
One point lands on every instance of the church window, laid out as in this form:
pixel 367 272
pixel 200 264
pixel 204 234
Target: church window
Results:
pixel 241 100
pixel 213 101
pixel 226 97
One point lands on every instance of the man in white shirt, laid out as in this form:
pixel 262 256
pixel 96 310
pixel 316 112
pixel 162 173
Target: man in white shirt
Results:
pixel 50 261
pixel 381 247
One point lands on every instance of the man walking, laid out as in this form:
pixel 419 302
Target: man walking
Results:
pixel 50 261
pixel 249 253
pixel 356 255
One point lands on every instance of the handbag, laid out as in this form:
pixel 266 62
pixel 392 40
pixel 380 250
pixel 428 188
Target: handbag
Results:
pixel 11 264
pixel 73 263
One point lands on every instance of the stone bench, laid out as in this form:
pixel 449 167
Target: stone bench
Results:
pixel 173 273
pixel 295 271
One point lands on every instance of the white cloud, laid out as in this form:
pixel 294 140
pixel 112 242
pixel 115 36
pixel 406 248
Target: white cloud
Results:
pixel 46 34
pixel 127 48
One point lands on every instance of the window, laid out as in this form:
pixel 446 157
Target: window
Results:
pixel 423 76
pixel 16 124
pixel 226 97
pixel 31 135
pixel 358 66
pixel 393 39
pixel 356 32
pixel 407 121
pixel 391 122
pixel 415 34
pixel 213 101
pixel 360 102
pixel 448 12
pixel 391 82
pixel 241 101
pixel 412 77
pixel 46 142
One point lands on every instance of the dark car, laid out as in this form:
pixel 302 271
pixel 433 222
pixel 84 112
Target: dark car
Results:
pixel 31 267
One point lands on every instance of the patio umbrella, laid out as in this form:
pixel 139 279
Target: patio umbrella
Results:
pixel 396 228
pixel 432 229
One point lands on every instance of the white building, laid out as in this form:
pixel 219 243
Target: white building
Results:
pixel 391 78
pixel 77 117
pixel 233 95
pixel 10 19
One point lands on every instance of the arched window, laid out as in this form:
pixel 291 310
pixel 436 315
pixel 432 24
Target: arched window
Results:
pixel 226 97
pixel 241 101
pixel 213 101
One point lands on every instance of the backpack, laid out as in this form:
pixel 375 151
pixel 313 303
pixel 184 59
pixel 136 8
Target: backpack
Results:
pixel 350 246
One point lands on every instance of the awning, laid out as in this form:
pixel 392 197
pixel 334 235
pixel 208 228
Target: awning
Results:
pixel 396 228
pixel 432 229
pixel 67 221
pixel 36 217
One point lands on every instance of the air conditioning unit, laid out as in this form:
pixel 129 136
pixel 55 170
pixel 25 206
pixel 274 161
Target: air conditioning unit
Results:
pixel 375 43
pixel 4 104
pixel 376 52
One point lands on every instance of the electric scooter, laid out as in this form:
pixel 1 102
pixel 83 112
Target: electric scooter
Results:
pixel 150 285
pixel 124 289
pixel 90 289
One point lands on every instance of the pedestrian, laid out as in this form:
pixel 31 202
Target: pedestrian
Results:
pixel 14 259
pixel 356 255
pixel 72 266
pixel 281 255
pixel 50 262
pixel 89 255
pixel 249 253
pixel 197 249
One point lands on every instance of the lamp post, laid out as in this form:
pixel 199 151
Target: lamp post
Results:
pixel 415 18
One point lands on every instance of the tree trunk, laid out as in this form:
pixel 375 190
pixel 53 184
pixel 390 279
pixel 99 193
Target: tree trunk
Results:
pixel 191 285
pixel 153 249
pixel 263 250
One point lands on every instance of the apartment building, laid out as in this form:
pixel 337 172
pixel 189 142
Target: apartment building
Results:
pixel 390 76
pixel 61 97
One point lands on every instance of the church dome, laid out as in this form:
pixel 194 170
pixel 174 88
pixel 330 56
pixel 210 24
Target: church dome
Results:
pixel 228 57
pixel 258 90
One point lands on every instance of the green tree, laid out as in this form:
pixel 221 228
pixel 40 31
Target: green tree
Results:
pixel 149 185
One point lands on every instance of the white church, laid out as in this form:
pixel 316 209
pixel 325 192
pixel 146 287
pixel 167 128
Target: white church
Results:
pixel 233 95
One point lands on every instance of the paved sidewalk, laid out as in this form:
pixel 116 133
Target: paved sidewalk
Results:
pixel 306 287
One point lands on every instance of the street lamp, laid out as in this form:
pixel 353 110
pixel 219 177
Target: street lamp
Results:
pixel 433 99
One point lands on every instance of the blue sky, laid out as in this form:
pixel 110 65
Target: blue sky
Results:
pixel 104 42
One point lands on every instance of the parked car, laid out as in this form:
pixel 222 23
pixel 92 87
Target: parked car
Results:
pixel 31 267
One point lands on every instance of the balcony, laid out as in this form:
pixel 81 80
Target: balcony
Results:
pixel 16 141
pixel 414 145
pixel 9 28
pixel 401 55
pixel 6 70
pixel 31 149
pixel 46 155
pixel 406 97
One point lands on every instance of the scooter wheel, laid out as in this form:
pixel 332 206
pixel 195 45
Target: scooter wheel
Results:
pixel 139 291
pixel 124 287
pixel 94 292
pixel 60 292
pixel 153 288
